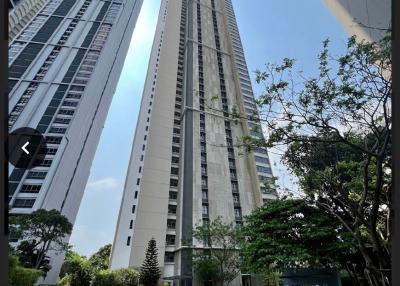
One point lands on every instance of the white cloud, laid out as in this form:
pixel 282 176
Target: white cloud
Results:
pixel 102 184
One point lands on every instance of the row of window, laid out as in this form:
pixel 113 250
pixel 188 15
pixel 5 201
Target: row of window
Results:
pixel 145 138
pixel 170 239
pixel 45 66
pixel 250 108
pixel 69 104
pixel 228 131
pixel 203 150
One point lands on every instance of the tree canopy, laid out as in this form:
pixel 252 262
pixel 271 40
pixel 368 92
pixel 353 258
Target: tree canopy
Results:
pixel 39 232
pixel 220 260
pixel 294 234
pixel 334 131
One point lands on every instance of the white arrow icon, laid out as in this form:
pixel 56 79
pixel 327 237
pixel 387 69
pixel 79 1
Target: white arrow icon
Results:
pixel 23 147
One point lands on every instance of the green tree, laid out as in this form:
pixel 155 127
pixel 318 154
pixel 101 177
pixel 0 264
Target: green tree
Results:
pixel 19 275
pixel 43 230
pixel 28 255
pixel 337 130
pixel 294 234
pixel 79 270
pixel 150 272
pixel 219 261
pixel 100 260
pixel 76 270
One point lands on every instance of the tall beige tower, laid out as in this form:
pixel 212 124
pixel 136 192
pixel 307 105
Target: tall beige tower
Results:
pixel 367 19
pixel 185 167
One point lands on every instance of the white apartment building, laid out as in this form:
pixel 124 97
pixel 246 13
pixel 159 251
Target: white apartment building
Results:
pixel 64 65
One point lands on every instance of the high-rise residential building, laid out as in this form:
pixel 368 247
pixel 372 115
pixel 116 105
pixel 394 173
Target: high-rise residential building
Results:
pixel 64 66
pixel 186 167
pixel 367 19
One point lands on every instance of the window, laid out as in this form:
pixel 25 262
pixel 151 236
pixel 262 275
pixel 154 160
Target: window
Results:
pixel 263 169
pixel 173 195
pixel 138 181
pixel 205 210
pixel 24 203
pixel 30 188
pixel 131 224
pixel 133 208
pixel 58 130
pixel 140 169
pixel 169 257
pixel 48 151
pixel 171 209
pixel 174 171
pixel 175 160
pixel 171 224
pixel 128 241
pixel 44 163
pixel 136 194
pixel 66 112
pixel 141 158
pixel 170 239
pixel 70 103
pixel 62 120
pixel 204 195
pixel 36 175
pixel 261 150
pixel 234 187
pixel 173 182
pixel 238 213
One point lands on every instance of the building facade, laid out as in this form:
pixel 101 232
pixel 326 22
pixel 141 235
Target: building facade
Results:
pixel 367 19
pixel 64 66
pixel 186 165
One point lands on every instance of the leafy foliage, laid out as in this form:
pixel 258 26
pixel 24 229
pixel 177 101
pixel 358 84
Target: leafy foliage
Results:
pixel 336 128
pixel 150 272
pixel 39 232
pixel 76 270
pixel 100 260
pixel 293 234
pixel 93 271
pixel 220 260
pixel 119 277
pixel 21 276
pixel 28 255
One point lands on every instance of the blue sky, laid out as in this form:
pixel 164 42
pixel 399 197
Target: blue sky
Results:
pixel 270 31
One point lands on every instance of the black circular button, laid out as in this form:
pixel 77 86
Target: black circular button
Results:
pixel 24 145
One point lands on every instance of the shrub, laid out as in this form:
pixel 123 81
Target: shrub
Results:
pixel 119 277
pixel 21 276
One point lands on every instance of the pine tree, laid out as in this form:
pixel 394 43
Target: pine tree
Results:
pixel 150 272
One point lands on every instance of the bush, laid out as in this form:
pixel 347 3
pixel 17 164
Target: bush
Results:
pixel 126 277
pixel 119 277
pixel 104 278
pixel 20 276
